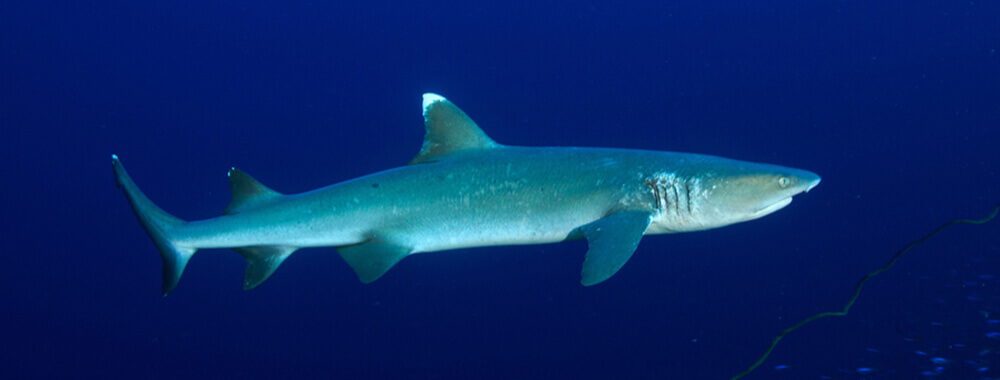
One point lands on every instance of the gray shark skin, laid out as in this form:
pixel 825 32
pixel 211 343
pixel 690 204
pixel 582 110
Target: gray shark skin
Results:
pixel 465 190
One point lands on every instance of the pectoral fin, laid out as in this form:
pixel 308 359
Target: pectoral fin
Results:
pixel 611 241
pixel 371 259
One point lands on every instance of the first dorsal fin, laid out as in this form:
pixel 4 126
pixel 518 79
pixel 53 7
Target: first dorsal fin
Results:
pixel 448 130
pixel 247 192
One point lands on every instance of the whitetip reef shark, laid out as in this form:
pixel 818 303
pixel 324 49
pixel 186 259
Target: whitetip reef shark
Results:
pixel 465 190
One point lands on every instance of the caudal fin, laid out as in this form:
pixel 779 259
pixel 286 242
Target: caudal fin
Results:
pixel 158 224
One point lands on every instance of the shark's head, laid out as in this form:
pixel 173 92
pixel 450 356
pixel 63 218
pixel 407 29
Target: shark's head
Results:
pixel 749 191
pixel 726 192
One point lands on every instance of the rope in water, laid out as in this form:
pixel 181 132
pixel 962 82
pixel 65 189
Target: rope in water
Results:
pixel 857 288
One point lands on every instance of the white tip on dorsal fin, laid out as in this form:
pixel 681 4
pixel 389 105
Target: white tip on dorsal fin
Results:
pixel 431 98
pixel 448 130
pixel 247 192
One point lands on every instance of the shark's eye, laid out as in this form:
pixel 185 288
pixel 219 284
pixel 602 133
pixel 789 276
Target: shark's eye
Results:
pixel 784 182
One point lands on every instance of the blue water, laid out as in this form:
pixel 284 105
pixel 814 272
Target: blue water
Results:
pixel 896 104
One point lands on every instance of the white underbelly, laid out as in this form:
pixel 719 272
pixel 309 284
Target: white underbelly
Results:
pixel 439 240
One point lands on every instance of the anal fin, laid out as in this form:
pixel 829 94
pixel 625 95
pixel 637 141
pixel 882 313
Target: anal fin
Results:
pixel 262 261
pixel 372 258
pixel 611 241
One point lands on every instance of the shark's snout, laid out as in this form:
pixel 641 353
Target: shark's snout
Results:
pixel 810 180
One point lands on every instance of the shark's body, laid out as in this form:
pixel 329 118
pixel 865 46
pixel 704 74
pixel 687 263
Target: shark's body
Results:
pixel 464 190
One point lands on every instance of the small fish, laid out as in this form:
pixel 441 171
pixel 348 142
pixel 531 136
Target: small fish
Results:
pixel 940 361
pixel 865 370
pixel 780 367
pixel 993 335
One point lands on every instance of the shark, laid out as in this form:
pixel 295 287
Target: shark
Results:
pixel 464 190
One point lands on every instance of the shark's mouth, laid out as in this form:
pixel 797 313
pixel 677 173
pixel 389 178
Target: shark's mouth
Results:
pixel 773 207
pixel 812 185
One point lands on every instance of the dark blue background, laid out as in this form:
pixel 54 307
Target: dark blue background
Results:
pixel 895 103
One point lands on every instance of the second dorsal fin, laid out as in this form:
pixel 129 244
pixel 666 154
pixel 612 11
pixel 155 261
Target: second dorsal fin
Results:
pixel 247 192
pixel 448 130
